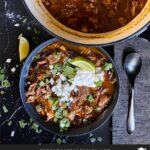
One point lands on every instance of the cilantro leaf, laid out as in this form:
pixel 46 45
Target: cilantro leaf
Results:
pixel 22 123
pixel 69 71
pixel 57 68
pixel 90 98
pixel 107 66
pixel 98 83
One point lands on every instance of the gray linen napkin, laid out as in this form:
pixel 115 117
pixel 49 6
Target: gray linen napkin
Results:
pixel 142 96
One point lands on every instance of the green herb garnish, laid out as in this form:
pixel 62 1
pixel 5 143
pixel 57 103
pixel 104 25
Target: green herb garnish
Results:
pixel 2 77
pixel 5 109
pixel 98 83
pixel 98 109
pixel 35 127
pixel 65 113
pixel 69 71
pixel 64 123
pixel 42 84
pixel 58 114
pixel 4 83
pixel 22 123
pixel 2 92
pixel 37 57
pixel 107 66
pixel 57 68
pixel 90 98
pixel 9 123
pixel 58 140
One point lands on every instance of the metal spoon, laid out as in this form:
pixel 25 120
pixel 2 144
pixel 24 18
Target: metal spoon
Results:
pixel 132 66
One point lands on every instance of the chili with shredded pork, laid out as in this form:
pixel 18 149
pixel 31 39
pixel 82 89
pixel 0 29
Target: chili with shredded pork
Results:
pixel 65 94
pixel 94 16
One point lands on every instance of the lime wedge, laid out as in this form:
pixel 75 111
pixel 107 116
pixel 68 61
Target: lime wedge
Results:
pixel 23 48
pixel 83 63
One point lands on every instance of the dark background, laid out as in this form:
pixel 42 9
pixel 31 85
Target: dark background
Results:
pixel 14 20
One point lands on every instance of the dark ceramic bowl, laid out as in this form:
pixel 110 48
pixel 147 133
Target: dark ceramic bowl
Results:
pixel 50 127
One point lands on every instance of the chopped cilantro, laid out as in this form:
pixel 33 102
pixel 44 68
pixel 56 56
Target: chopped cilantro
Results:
pixel 22 123
pixel 58 140
pixel 9 123
pixel 2 77
pixel 46 75
pixel 98 83
pixel 65 113
pixel 90 98
pixel 2 71
pixel 24 20
pixel 2 92
pixel 57 53
pixel 5 109
pixel 42 84
pixel 98 109
pixel 69 71
pixel 5 83
pixel 31 120
pixel 64 123
pixel 58 114
pixel 35 127
pixel 107 66
pixel 57 68
pixel 38 108
pixel 37 57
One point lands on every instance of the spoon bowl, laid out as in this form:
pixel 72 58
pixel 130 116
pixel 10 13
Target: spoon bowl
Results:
pixel 132 67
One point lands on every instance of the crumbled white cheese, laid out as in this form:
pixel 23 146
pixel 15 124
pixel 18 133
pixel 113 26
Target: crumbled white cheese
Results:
pixel 51 81
pixel 16 25
pixel 62 77
pixel 88 79
pixel 13 69
pixel 82 78
pixel 63 90
pixel 51 66
pixel 8 60
pixel 12 133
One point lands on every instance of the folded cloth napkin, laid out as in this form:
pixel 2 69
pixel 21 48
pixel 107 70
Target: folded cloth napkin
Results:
pixel 141 99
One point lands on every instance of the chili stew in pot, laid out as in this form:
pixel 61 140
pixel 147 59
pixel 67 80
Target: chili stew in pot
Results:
pixel 94 16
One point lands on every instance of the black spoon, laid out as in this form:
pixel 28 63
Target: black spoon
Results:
pixel 132 66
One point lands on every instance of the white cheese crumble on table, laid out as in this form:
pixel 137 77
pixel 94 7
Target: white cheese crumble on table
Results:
pixel 17 25
pixel 82 78
pixel 13 69
pixel 8 60
pixel 12 133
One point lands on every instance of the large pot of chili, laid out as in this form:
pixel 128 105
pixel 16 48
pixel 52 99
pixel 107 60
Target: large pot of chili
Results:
pixel 92 22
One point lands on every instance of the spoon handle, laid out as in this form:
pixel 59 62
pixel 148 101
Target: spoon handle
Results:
pixel 131 118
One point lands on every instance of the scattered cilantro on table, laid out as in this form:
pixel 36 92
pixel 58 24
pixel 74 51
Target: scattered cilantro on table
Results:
pixel 4 83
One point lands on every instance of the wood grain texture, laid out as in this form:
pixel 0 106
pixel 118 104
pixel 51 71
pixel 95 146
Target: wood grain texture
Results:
pixel 142 96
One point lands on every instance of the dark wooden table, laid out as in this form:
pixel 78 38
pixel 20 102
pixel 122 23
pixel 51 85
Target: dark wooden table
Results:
pixel 14 20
